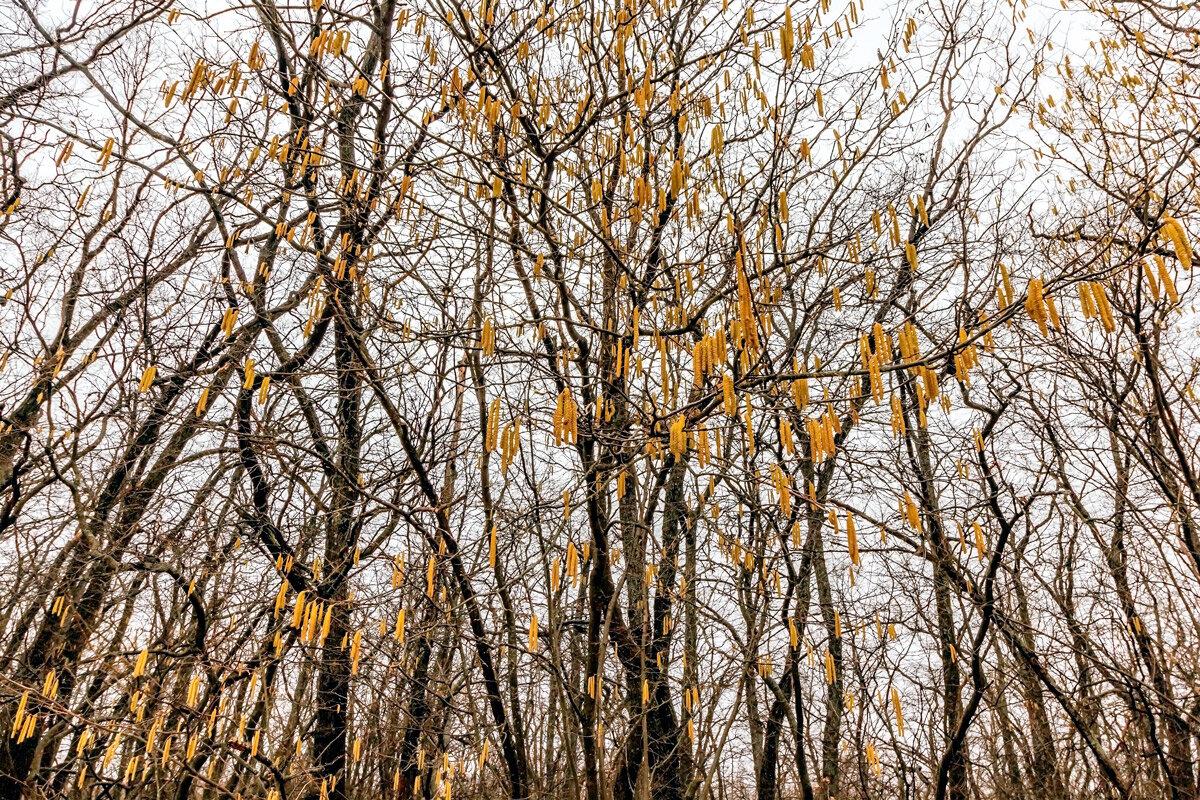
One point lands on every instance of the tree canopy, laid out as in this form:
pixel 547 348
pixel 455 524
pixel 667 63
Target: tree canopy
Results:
pixel 672 399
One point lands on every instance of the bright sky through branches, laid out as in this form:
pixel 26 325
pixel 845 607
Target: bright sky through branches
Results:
pixel 645 400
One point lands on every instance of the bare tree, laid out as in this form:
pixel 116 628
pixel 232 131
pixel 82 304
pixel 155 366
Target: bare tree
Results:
pixel 674 400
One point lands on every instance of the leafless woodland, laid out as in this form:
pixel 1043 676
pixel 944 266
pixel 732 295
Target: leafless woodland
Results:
pixel 673 399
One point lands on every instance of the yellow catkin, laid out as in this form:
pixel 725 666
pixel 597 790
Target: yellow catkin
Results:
pixel 852 540
pixel 787 36
pixel 816 441
pixel 800 392
pixel 749 426
pixel 898 427
pixel 298 611
pixel 106 153
pixel 783 488
pixel 492 429
pixel 911 515
pixel 572 562
pixel 1168 283
pixel 831 428
pixel 139 668
pixel 355 648
pixel 717 139
pixel 899 714
pixel 488 338
pixel 808 57
pixel 1006 285
pixel 1035 305
pixel 1052 313
pixel 1151 280
pixel 228 321
pixel 1102 307
pixel 750 342
pixel 1173 231
pixel 19 718
pixel 678 437
pixel 147 378
pixel 1087 304
pixel 876 380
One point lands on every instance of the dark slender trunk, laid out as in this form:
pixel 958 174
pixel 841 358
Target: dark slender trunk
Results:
pixel 330 730
pixel 921 460
pixel 768 777
pixel 418 713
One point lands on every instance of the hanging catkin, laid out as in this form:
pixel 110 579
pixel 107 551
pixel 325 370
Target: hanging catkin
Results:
pixel 899 714
pixel 1173 231
pixel 1102 307
pixel 852 540
pixel 746 316
pixel 1035 305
